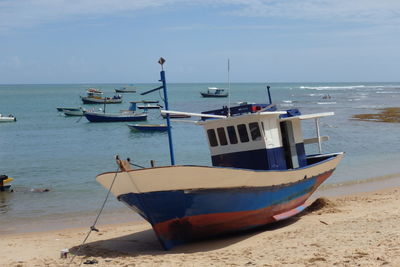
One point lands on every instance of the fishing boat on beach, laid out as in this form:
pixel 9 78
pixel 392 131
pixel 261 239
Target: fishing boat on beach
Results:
pixel 9 118
pixel 214 92
pixel 260 174
pixel 95 96
pixel 123 115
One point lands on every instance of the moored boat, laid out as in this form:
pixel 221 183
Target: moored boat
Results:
pixel 214 92
pixel 73 111
pixel 5 182
pixel 125 90
pixel 148 104
pixel 95 96
pixel 148 127
pixel 123 115
pixel 176 116
pixel 260 174
pixel 9 118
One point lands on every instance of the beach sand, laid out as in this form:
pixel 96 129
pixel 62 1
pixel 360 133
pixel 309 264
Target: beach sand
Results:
pixel 354 230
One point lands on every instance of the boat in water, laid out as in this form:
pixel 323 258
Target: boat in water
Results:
pixel 214 92
pixel 260 174
pixel 5 182
pixel 95 96
pixel 148 127
pixel 125 90
pixel 149 104
pixel 73 111
pixel 176 116
pixel 123 115
pixel 9 118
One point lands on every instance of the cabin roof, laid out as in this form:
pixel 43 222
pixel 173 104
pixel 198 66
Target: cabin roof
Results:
pixel 309 116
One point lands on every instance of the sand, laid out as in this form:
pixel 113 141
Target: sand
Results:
pixel 353 230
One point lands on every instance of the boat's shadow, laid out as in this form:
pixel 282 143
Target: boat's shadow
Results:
pixel 146 243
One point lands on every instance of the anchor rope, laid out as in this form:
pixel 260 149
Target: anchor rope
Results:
pixel 93 227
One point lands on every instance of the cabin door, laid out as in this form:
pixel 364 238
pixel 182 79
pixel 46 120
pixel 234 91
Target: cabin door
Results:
pixel 289 145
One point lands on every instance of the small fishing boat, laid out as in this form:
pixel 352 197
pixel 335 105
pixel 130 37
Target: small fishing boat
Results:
pixel 9 118
pixel 148 127
pixel 5 182
pixel 148 104
pixel 73 111
pixel 95 96
pixel 214 92
pixel 175 116
pixel 125 90
pixel 260 174
pixel 123 115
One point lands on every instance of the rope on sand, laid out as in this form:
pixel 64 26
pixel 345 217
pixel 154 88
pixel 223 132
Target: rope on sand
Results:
pixel 93 227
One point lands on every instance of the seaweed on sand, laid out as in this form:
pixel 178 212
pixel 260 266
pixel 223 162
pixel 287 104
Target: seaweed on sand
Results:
pixel 385 115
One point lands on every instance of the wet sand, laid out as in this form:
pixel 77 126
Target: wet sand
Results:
pixel 355 229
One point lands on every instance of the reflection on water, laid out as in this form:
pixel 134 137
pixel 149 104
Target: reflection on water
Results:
pixel 5 199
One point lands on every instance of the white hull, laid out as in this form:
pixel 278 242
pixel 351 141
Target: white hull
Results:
pixel 203 177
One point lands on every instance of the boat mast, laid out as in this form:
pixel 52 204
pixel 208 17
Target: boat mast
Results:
pixel 229 92
pixel 162 75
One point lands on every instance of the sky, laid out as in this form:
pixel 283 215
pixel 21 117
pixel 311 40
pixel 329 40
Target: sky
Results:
pixel 120 41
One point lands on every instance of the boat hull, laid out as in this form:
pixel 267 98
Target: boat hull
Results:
pixel 92 100
pixel 124 91
pixel 228 201
pixel 101 117
pixel 8 119
pixel 148 128
pixel 73 112
pixel 213 95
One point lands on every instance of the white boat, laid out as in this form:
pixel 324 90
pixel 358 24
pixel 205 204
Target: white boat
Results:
pixel 74 111
pixel 9 118
pixel 214 92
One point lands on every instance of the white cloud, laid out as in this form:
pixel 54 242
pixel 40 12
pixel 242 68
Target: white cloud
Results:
pixel 372 11
pixel 28 13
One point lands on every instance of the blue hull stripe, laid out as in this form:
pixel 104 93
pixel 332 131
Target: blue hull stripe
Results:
pixel 158 207
pixel 94 118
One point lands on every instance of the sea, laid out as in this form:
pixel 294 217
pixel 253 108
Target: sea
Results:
pixel 44 149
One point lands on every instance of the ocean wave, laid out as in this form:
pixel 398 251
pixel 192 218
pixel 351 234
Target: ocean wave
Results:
pixel 350 87
pixel 322 88
pixel 387 92
pixel 326 103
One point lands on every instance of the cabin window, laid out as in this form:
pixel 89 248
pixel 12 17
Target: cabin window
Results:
pixel 212 138
pixel 255 131
pixel 232 135
pixel 222 136
pixel 244 137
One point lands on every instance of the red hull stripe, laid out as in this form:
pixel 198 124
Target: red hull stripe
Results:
pixel 181 230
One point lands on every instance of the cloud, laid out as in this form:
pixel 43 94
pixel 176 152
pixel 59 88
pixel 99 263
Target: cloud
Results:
pixel 370 11
pixel 29 13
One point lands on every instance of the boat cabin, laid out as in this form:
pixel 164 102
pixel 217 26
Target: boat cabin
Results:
pixel 215 90
pixel 260 139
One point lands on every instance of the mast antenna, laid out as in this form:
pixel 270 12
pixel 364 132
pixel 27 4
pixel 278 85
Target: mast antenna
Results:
pixel 229 91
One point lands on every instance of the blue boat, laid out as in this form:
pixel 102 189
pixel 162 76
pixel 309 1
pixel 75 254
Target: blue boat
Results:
pixel 148 127
pixel 123 115
pixel 260 174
